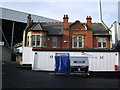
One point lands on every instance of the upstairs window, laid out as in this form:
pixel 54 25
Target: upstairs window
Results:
pixel 80 42
pixel 38 40
pixel 77 42
pixel 44 41
pixel 33 40
pixel 102 42
pixel 54 42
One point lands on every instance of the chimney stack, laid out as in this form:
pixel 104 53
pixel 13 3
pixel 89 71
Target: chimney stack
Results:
pixel 29 20
pixel 65 21
pixel 89 22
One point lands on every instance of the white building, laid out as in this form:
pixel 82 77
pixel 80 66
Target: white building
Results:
pixel 115 28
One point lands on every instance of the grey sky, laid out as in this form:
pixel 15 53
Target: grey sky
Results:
pixel 75 10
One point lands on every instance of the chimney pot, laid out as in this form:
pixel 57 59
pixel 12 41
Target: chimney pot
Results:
pixel 29 20
pixel 65 21
pixel 89 22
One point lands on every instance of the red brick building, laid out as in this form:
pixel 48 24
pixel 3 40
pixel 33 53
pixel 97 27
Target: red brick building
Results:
pixel 65 35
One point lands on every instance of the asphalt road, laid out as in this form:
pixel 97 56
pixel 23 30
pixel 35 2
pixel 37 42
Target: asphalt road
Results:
pixel 13 77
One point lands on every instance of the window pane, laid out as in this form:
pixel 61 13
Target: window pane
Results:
pixel 54 39
pixel 54 42
pixel 99 39
pixel 33 37
pixel 80 44
pixel 104 39
pixel 75 44
pixel 104 44
pixel 33 40
pixel 44 41
pixel 80 39
pixel 38 43
pixel 75 39
pixel 38 40
pixel 38 37
pixel 99 44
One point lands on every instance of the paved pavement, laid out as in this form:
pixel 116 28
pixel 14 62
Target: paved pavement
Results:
pixel 13 77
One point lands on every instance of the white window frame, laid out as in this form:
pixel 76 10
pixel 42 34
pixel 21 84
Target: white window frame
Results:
pixel 37 40
pixel 32 41
pixel 102 41
pixel 78 41
pixel 44 40
pixel 41 41
pixel 54 40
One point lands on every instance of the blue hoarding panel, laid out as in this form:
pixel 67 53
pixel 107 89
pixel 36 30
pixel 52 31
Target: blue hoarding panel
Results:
pixel 62 63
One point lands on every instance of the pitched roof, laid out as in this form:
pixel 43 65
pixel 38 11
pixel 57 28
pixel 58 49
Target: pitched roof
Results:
pixel 55 28
pixel 36 26
pixel 99 29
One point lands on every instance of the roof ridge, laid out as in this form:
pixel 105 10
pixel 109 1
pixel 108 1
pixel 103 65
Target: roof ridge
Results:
pixel 51 22
pixel 105 26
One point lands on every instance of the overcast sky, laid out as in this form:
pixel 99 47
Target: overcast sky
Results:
pixel 75 10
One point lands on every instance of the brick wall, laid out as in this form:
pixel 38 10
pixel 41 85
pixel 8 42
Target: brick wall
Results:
pixel 88 38
pixel 66 38
pixel 95 42
pixel 65 42
pixel 77 25
pixel 49 41
pixel 108 42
